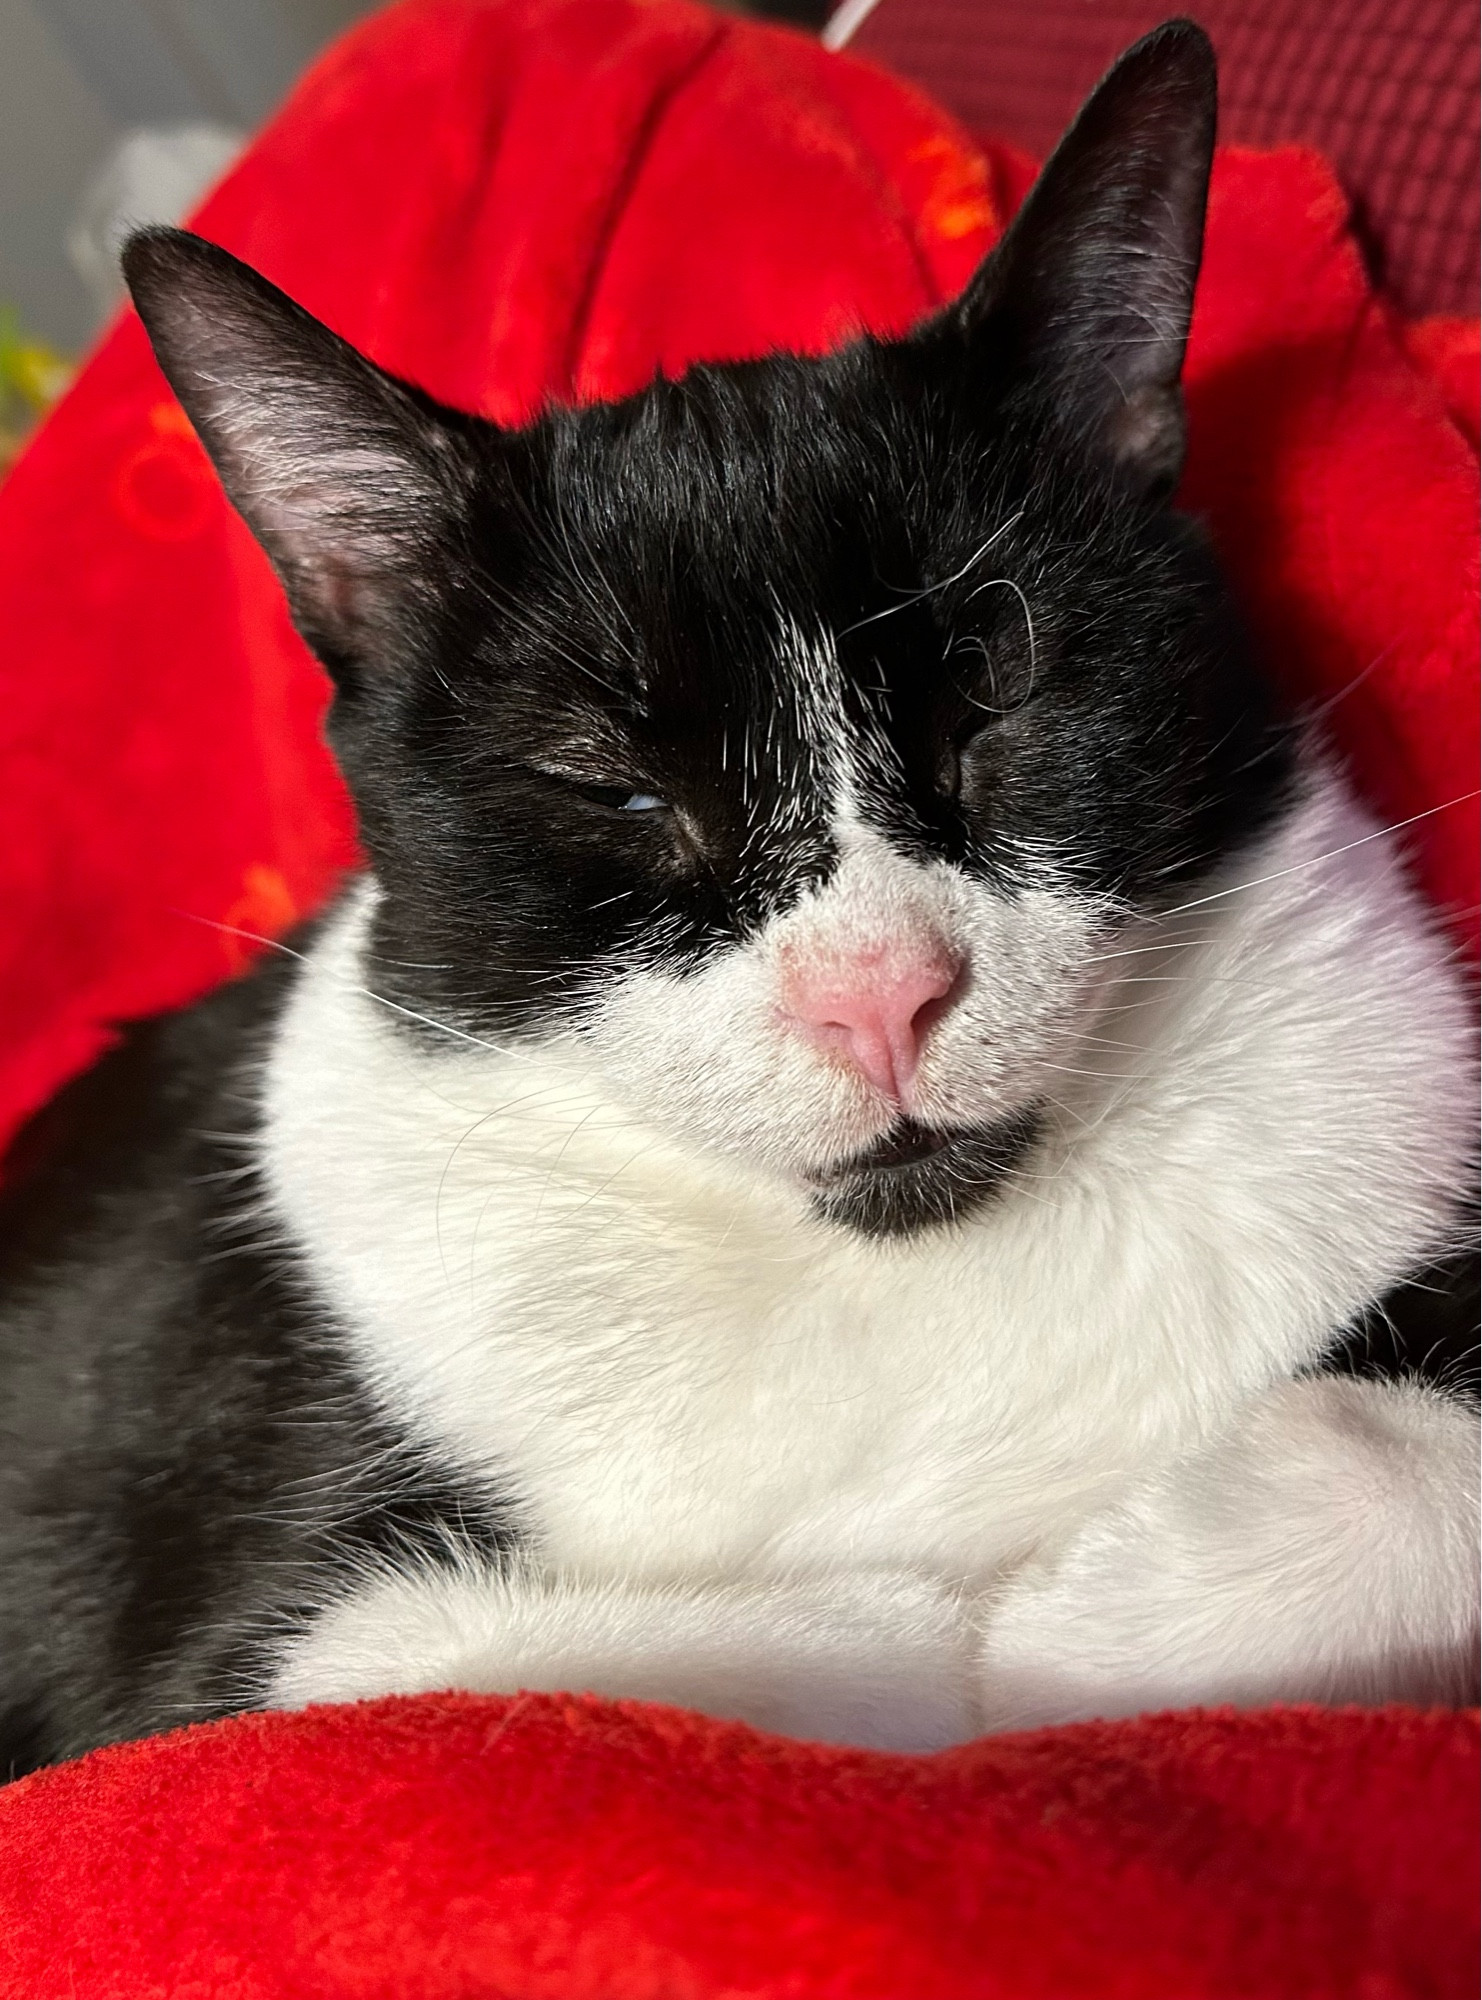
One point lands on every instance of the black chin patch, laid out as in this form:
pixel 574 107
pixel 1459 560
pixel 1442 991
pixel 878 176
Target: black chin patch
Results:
pixel 914 1178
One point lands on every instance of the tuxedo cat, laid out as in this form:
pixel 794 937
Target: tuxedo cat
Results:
pixel 826 1167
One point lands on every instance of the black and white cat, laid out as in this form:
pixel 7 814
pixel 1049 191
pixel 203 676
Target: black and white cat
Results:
pixel 872 1070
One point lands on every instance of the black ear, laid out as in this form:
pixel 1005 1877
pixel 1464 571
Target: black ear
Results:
pixel 351 480
pixel 1091 288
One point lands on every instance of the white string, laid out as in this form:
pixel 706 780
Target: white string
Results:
pixel 846 21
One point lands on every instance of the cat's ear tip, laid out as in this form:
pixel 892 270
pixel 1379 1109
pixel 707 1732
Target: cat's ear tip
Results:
pixel 1178 47
pixel 158 252
pixel 1172 71
pixel 162 264
pixel 1181 33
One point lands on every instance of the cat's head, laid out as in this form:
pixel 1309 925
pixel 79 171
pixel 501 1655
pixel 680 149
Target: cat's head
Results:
pixel 797 735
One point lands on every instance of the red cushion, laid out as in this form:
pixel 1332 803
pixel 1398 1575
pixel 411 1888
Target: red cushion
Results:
pixel 1387 89
pixel 546 1848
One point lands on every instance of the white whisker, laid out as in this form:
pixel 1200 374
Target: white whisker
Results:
pixel 395 1006
pixel 1331 854
pixel 946 583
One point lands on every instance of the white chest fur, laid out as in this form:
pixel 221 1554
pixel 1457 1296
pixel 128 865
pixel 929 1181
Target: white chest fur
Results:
pixel 676 1370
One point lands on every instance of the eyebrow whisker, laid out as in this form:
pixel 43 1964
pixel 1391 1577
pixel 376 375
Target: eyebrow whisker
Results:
pixel 945 583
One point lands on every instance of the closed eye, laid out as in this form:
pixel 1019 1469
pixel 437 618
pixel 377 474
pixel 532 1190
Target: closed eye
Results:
pixel 620 799
pixel 615 798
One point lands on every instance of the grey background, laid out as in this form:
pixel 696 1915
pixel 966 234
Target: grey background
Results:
pixel 75 75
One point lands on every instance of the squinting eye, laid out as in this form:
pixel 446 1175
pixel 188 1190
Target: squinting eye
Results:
pixel 618 798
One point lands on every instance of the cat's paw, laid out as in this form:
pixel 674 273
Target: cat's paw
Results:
pixel 879 1660
pixel 1324 1549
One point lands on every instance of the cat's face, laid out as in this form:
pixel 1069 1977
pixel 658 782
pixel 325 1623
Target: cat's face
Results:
pixel 798 736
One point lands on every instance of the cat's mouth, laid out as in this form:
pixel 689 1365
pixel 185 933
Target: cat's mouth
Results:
pixel 902 1146
pixel 915 1177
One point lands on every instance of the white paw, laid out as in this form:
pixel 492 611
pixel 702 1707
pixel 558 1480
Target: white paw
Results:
pixel 882 1661
pixel 1324 1549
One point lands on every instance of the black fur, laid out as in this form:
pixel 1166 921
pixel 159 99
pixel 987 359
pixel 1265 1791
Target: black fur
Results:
pixel 913 1178
pixel 188 1463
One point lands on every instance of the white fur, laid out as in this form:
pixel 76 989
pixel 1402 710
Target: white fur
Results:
pixel 856 1658
pixel 712 1059
pixel 1325 1548
pixel 588 1272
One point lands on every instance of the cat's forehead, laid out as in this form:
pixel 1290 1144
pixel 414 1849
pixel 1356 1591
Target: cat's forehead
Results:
pixel 786 460
pixel 787 524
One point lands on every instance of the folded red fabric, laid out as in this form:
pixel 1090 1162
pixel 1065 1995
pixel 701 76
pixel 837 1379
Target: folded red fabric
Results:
pixel 513 199
pixel 547 1848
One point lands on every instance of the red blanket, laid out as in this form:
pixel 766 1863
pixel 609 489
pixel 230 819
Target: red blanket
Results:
pixel 553 197
pixel 463 1848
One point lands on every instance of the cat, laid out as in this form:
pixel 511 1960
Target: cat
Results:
pixel 831 1166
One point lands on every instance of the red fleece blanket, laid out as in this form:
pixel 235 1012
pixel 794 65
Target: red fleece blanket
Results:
pixel 537 198
pixel 458 1847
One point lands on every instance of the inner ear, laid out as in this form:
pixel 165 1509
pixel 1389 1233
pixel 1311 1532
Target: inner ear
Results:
pixel 353 482
pixel 1089 294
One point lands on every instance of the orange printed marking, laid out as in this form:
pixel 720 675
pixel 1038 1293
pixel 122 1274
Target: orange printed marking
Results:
pixel 164 488
pixel 265 909
pixel 959 201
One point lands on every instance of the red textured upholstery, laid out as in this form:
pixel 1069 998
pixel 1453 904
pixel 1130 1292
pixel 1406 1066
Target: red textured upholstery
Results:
pixel 1388 89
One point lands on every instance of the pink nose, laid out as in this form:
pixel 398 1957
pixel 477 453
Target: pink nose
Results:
pixel 876 1010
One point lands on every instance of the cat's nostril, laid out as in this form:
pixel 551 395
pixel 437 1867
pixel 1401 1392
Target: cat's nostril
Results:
pixel 934 1006
pixel 876 1011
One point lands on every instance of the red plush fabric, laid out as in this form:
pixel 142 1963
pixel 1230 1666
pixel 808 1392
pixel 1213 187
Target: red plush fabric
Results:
pixel 513 199
pixel 545 1848
pixel 1449 350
